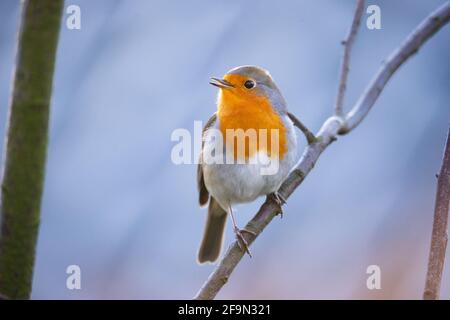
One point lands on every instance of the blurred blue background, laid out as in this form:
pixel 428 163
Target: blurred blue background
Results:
pixel 115 205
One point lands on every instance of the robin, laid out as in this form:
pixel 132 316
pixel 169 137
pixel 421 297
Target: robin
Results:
pixel 248 99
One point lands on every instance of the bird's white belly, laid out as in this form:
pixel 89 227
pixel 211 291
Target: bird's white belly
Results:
pixel 239 183
pixel 236 183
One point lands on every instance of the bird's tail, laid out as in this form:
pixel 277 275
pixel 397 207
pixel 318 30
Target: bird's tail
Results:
pixel 213 235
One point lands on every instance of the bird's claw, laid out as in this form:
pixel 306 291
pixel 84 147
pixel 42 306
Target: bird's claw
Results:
pixel 279 200
pixel 242 243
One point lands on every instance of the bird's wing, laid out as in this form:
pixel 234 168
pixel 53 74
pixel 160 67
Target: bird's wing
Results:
pixel 202 191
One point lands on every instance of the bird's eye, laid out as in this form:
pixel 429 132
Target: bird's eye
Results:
pixel 249 84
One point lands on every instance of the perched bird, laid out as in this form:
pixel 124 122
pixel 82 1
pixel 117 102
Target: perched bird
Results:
pixel 248 99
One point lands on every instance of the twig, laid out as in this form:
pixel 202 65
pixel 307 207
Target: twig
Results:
pixel 348 44
pixel 440 227
pixel 428 27
pixel 327 134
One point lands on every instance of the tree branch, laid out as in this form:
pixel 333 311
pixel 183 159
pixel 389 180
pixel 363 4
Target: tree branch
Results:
pixel 440 227
pixel 410 46
pixel 327 134
pixel 345 64
pixel 26 145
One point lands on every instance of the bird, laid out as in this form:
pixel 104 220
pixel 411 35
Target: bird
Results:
pixel 248 99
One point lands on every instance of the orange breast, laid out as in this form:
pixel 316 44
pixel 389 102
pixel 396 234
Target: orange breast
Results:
pixel 251 112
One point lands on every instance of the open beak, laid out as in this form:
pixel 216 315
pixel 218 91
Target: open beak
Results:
pixel 221 83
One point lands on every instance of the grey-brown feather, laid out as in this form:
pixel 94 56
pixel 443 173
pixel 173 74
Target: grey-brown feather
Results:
pixel 202 191
pixel 213 235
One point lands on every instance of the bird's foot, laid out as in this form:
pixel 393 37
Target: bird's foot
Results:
pixel 279 201
pixel 243 244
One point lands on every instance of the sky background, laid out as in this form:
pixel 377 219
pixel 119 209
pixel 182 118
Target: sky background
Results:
pixel 116 205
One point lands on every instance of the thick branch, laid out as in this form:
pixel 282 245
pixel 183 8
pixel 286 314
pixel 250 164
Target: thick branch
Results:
pixel 327 134
pixel 440 227
pixel 345 64
pixel 27 144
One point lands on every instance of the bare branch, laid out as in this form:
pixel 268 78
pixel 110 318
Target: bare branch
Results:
pixel 410 46
pixel 440 227
pixel 348 44
pixel 310 138
pixel 327 134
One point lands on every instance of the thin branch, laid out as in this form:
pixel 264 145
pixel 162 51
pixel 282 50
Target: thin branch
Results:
pixel 345 64
pixel 310 138
pixel 440 229
pixel 327 134
pixel 410 46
